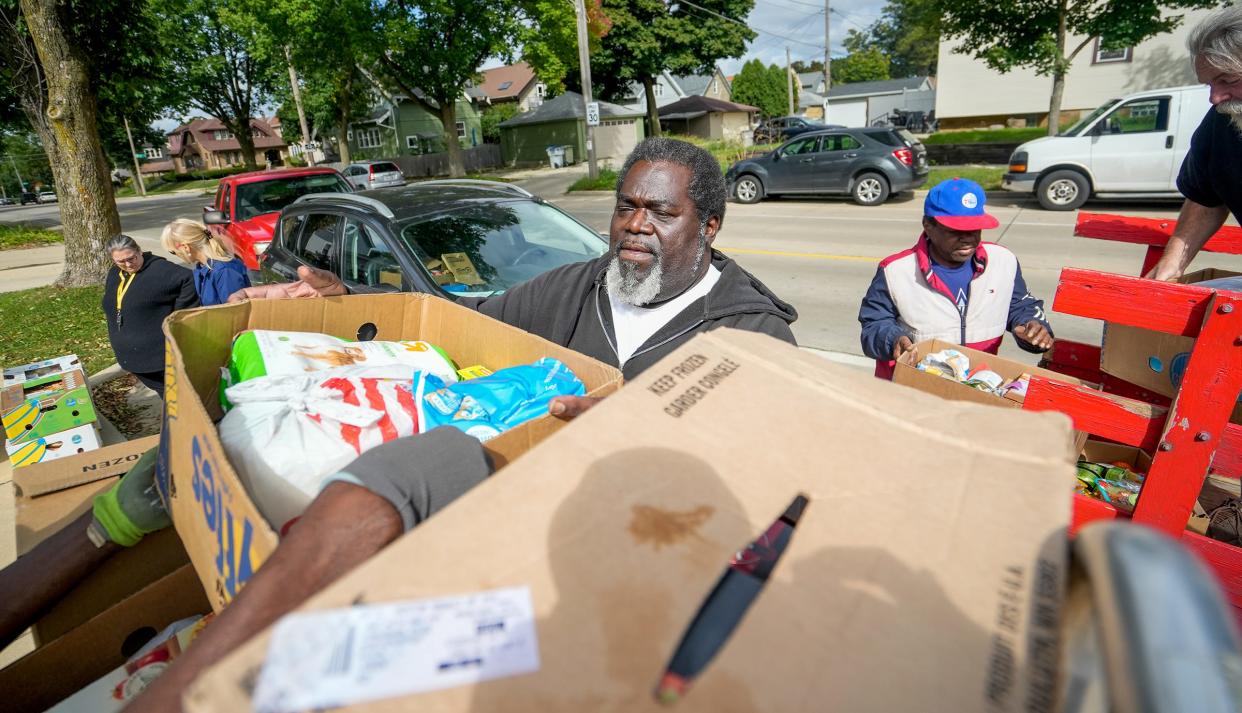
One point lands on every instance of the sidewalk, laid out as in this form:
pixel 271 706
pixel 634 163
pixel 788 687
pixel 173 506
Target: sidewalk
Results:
pixel 38 267
pixel 546 182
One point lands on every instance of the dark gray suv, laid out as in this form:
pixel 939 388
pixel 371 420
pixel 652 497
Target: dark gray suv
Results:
pixel 452 238
pixel 869 165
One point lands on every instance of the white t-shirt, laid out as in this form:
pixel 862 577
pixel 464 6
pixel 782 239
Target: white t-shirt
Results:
pixel 634 325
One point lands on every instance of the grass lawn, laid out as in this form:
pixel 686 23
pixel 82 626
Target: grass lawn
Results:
pixel 983 136
pixel 47 322
pixel 607 181
pixel 206 185
pixel 987 176
pixel 22 236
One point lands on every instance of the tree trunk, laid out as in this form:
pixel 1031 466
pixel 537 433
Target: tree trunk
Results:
pixel 245 140
pixel 1059 69
pixel 71 140
pixel 345 107
pixel 448 115
pixel 653 111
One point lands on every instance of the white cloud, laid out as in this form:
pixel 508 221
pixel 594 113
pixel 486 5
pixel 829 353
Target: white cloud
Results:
pixel 803 21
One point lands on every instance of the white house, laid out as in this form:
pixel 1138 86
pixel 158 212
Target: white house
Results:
pixel 970 95
pixel 865 103
pixel 669 88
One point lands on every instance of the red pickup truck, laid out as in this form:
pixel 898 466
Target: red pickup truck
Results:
pixel 247 205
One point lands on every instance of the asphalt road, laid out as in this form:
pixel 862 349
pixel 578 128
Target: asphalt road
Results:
pixel 817 254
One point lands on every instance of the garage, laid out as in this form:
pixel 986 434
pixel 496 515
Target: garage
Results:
pixel 616 138
pixel 847 113
pixel 561 121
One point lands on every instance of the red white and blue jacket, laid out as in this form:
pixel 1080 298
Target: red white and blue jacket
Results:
pixel 907 298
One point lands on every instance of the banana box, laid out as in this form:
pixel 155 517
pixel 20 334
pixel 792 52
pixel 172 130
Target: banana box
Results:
pixel 43 407
pixel 16 375
pixel 64 444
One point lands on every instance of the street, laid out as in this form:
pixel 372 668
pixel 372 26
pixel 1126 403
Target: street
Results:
pixel 817 254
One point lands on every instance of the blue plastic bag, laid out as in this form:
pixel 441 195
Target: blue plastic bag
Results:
pixel 490 405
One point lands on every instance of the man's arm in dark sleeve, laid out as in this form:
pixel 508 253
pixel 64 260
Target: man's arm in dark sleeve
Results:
pixel 1025 308
pixel 878 316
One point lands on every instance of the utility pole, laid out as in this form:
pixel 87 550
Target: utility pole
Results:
pixel 142 188
pixel 21 185
pixel 584 63
pixel 297 100
pixel 827 51
pixel 789 78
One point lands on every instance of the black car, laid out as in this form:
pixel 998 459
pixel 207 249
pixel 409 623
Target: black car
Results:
pixel 866 164
pixel 29 197
pixel 779 129
pixel 453 237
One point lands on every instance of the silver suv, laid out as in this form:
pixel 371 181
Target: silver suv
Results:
pixel 365 175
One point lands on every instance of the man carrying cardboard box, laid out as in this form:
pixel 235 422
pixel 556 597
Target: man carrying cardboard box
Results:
pixel 950 286
pixel 659 284
pixel 1211 174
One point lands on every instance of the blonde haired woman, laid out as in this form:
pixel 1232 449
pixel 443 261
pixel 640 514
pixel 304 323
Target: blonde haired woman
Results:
pixel 218 273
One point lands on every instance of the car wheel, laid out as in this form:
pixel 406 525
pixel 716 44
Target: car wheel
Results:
pixel 870 189
pixel 1063 190
pixel 748 189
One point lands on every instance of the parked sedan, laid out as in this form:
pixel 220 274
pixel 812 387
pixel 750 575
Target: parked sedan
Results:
pixel 451 238
pixel 867 164
pixel 47 196
pixel 365 175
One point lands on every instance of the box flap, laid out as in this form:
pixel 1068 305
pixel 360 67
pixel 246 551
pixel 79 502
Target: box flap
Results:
pixel 928 564
pixel 109 461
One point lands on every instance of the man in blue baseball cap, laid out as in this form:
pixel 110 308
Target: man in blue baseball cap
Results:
pixel 950 286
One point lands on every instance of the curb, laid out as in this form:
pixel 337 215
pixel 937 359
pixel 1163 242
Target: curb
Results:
pixel 104 375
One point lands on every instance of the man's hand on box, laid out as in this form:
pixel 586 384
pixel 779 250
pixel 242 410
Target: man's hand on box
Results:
pixel 312 282
pixel 131 508
pixel 570 407
pixel 902 345
pixel 1035 334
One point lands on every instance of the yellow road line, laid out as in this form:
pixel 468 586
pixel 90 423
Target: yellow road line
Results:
pixel 786 253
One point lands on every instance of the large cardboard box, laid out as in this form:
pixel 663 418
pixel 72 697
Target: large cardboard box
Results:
pixel 906 373
pixel 49 496
pixel 56 671
pixel 925 573
pixel 65 444
pixel 15 375
pixel 225 535
pixel 1154 360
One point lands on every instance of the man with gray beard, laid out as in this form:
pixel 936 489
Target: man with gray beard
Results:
pixel 1211 175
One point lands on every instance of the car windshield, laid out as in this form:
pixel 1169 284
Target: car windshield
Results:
pixel 485 248
pixel 272 196
pixel 1083 122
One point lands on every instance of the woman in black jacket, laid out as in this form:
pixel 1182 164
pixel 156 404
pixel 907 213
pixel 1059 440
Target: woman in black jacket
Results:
pixel 140 291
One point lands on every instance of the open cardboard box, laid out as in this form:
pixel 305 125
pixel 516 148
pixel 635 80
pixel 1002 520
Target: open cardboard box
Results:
pixel 906 373
pixel 51 495
pixel 904 587
pixel 1154 360
pixel 224 533
pixel 53 672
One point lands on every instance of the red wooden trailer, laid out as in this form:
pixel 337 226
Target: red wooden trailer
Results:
pixel 1189 435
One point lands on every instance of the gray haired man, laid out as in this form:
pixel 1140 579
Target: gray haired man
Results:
pixel 1211 176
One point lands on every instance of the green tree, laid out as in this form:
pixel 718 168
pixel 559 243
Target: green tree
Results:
pixel 815 65
pixel 1047 36
pixel 866 65
pixel 62 63
pixel 324 42
pixel 764 87
pixel 433 49
pixel 549 40
pixel 22 154
pixel 493 116
pixel 646 38
pixel 218 56
pixel 907 33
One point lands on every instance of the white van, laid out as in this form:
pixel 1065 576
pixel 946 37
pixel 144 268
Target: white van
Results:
pixel 1128 148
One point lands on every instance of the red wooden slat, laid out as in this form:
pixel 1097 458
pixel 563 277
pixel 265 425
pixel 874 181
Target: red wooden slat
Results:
pixel 1224 560
pixel 1149 231
pixel 1123 420
pixel 1120 387
pixel 1089 510
pixel 1071 353
pixel 1196 420
pixel 1161 306
pixel 1228 460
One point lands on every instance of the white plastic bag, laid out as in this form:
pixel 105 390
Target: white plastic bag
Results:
pixel 287 433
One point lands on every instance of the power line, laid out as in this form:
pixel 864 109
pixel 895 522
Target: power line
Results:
pixel 752 27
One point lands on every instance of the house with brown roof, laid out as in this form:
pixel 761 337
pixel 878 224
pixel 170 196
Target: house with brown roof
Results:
pixel 155 159
pixel 513 83
pixel 208 144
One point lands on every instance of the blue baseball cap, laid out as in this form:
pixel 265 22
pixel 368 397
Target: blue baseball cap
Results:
pixel 958 204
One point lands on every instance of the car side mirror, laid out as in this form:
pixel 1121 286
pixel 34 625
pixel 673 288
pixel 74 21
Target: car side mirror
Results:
pixel 776 155
pixel 215 217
